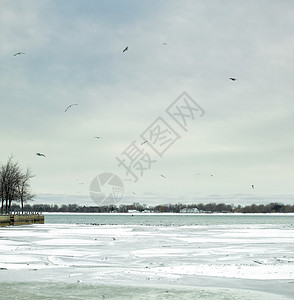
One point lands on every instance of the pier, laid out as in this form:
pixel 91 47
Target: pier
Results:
pixel 21 219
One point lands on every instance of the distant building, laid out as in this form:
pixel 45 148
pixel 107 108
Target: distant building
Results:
pixel 189 210
pixel 133 211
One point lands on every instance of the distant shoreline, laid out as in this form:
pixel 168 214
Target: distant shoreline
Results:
pixel 166 213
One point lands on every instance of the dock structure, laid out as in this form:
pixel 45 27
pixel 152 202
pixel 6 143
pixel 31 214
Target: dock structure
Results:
pixel 21 219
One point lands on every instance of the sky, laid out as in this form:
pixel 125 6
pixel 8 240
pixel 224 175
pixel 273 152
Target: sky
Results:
pixel 241 133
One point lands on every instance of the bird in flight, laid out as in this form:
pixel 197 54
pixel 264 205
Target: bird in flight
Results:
pixel 69 107
pixel 40 154
pixel 165 44
pixel 144 142
pixel 18 53
pixel 162 176
pixel 233 79
pixel 133 193
pixel 126 49
pixel 97 137
pixel 252 185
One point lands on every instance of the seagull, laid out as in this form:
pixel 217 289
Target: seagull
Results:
pixel 18 53
pixel 80 182
pixel 162 176
pixel 134 193
pixel 126 49
pixel 40 154
pixel 252 185
pixel 97 137
pixel 144 142
pixel 70 106
pixel 233 79
pixel 164 44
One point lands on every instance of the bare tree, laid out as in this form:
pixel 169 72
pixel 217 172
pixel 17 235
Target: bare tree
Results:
pixel 14 185
pixel 24 192
pixel 9 182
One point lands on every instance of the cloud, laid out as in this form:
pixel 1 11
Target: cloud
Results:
pixel 74 55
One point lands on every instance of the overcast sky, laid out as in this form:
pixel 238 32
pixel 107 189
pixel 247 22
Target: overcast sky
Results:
pixel 74 54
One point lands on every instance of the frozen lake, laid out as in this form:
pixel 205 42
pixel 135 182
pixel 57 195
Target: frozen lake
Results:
pixel 208 261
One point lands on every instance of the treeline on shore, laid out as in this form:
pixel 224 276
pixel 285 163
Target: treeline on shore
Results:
pixel 14 185
pixel 172 208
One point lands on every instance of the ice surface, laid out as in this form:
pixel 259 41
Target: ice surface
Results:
pixel 147 262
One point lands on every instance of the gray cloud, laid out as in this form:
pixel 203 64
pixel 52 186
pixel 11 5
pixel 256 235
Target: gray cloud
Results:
pixel 74 55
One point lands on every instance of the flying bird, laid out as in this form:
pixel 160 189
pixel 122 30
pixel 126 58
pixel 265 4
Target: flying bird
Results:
pixel 133 193
pixel 70 106
pixel 18 53
pixel 252 185
pixel 126 49
pixel 40 154
pixel 162 176
pixel 233 79
pixel 144 142
pixel 164 44
pixel 80 182
pixel 97 137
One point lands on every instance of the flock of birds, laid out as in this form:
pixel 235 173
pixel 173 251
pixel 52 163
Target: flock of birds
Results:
pixel 99 137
